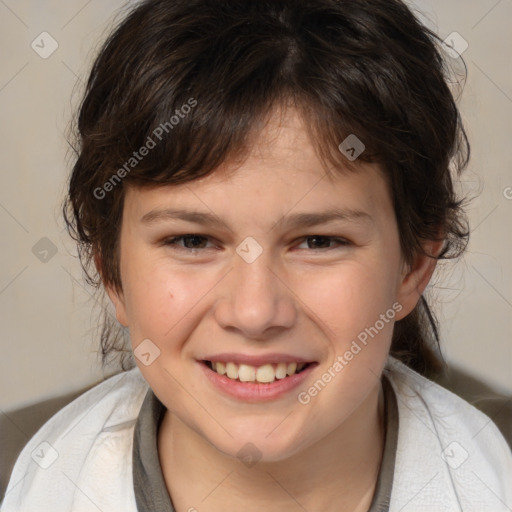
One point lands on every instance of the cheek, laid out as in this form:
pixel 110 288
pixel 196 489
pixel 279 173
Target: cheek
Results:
pixel 163 301
pixel 354 308
pixel 348 295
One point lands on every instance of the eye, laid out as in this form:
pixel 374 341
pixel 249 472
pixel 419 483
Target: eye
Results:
pixel 193 242
pixel 189 242
pixel 323 242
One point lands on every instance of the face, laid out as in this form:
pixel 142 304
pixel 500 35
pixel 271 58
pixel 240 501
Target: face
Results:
pixel 284 274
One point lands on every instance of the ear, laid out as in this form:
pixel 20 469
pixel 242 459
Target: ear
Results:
pixel 116 296
pixel 416 276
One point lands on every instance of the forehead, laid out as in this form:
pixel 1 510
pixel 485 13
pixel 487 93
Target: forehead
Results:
pixel 280 171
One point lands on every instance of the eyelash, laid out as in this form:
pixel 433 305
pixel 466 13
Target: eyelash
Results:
pixel 174 242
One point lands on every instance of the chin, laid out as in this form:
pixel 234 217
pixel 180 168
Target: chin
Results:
pixel 253 444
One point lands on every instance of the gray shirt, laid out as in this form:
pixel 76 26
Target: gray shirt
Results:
pixel 151 492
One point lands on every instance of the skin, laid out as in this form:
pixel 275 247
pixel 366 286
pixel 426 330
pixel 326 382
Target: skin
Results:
pixel 301 296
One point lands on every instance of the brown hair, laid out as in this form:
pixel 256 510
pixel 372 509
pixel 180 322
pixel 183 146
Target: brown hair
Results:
pixel 191 80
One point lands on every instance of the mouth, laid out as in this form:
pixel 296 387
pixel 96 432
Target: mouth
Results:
pixel 256 379
pixel 262 374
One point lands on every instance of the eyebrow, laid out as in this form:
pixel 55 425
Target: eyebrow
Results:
pixel 307 219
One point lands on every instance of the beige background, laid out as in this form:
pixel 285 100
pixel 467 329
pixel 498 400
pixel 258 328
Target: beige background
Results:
pixel 48 316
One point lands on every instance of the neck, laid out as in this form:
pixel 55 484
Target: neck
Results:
pixel 337 473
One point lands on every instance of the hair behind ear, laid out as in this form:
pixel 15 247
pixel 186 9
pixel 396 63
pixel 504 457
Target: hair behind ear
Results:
pixel 416 341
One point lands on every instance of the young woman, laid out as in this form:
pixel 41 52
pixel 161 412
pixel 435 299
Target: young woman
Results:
pixel 264 188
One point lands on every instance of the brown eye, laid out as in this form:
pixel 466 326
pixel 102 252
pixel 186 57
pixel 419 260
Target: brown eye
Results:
pixel 188 241
pixel 318 242
pixel 323 242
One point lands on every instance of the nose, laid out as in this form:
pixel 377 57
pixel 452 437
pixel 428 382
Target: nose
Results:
pixel 255 301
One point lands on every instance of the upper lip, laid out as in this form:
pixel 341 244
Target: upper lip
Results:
pixel 256 360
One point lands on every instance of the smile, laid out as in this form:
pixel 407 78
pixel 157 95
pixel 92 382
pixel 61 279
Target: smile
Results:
pixel 263 374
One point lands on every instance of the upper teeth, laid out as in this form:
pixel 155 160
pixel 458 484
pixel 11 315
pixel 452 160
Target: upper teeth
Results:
pixel 265 373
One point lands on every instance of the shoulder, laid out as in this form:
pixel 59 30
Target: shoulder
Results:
pixel 449 453
pixel 97 426
pixel 112 402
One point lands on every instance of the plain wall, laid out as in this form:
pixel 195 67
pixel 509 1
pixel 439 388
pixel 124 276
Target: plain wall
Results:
pixel 48 314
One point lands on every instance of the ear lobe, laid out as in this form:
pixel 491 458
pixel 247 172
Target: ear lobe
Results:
pixel 117 300
pixel 115 296
pixel 417 277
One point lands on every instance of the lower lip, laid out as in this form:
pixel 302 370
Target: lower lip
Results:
pixel 255 391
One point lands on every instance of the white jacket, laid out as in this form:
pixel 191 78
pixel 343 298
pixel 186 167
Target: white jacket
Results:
pixel 450 456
